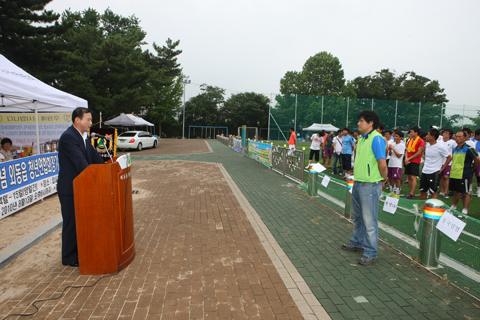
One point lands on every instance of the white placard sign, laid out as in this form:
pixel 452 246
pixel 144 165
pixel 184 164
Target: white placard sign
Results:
pixel 325 181
pixel 318 167
pixel 390 205
pixel 450 225
pixel 350 190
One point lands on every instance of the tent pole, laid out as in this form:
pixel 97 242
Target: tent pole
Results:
pixel 36 126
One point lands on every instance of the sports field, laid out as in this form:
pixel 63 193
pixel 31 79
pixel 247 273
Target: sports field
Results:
pixel 473 210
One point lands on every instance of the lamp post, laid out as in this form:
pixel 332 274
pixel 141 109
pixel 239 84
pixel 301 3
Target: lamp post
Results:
pixel 185 81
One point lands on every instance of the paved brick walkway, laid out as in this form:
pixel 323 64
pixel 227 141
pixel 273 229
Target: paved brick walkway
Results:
pixel 237 241
pixel 311 234
pixel 198 257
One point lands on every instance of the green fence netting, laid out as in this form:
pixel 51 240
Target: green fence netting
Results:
pixel 300 111
pixel 459 261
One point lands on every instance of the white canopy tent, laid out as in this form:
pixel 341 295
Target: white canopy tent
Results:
pixel 128 120
pixel 319 127
pixel 21 92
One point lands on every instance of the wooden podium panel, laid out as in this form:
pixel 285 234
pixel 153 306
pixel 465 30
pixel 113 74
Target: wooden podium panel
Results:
pixel 104 218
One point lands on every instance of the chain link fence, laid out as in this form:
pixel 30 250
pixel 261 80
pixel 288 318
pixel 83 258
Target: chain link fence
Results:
pixel 300 111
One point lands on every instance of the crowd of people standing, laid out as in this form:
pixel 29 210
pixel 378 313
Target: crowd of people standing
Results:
pixel 442 162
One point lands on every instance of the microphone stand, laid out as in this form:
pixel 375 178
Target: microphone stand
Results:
pixel 106 148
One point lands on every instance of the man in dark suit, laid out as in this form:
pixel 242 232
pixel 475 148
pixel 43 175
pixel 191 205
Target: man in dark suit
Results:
pixel 75 153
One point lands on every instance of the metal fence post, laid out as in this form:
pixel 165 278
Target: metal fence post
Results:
pixel 348 198
pixel 312 183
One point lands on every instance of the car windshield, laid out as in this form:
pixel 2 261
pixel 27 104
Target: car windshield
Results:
pixel 128 134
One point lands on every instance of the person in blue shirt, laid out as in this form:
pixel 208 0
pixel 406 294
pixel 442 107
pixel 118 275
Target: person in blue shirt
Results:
pixel 347 150
pixel 370 170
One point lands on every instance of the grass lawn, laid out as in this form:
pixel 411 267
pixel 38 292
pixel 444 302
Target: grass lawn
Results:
pixel 473 210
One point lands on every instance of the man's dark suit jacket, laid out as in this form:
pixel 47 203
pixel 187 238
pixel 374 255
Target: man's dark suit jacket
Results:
pixel 73 158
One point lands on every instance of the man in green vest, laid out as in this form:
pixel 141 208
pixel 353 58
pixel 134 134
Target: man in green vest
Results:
pixel 370 170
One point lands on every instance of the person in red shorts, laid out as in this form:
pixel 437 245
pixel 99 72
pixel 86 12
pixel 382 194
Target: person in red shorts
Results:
pixel 415 148
pixel 292 144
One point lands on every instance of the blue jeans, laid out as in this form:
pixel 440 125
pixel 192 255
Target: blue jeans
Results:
pixel 337 158
pixel 365 198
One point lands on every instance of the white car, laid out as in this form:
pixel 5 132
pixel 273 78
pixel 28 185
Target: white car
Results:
pixel 136 140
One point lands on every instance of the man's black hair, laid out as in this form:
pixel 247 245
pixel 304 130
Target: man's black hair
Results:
pixel 79 112
pixel 422 134
pixel 6 140
pixel 368 116
pixel 477 132
pixel 388 131
pixel 399 133
pixel 322 133
pixel 346 128
pixel 291 128
pixel 434 133
pixel 467 130
pixel 465 134
pixel 449 131
pixel 415 129
pixel 381 126
pixel 339 131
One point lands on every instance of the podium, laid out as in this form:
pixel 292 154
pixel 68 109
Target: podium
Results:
pixel 104 217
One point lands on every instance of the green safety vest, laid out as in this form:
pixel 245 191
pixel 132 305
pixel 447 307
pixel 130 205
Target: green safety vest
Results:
pixel 366 166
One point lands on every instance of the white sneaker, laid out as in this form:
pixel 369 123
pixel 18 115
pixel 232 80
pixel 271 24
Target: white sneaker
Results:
pixel 441 194
pixel 478 192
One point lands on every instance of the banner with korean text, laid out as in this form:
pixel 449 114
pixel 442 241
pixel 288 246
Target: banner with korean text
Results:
pixel 25 181
pixel 20 127
pixel 261 152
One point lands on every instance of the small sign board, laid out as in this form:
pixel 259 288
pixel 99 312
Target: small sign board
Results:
pixel 390 205
pixel 325 181
pixel 450 225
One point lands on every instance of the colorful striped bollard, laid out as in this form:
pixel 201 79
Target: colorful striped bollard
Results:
pixel 312 182
pixel 431 237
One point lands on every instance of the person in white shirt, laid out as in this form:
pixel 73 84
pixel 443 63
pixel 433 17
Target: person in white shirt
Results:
pixel 317 141
pixel 337 152
pixel 449 144
pixel 435 163
pixel 396 151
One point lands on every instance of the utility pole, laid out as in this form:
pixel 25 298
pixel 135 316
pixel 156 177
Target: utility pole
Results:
pixel 185 81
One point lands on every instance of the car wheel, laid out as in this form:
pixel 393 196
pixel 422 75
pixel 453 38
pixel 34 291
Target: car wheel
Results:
pixel 139 147
pixel 155 143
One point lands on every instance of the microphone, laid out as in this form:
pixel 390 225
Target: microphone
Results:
pixel 97 135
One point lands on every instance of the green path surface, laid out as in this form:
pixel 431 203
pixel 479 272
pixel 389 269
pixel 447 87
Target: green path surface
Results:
pixel 311 236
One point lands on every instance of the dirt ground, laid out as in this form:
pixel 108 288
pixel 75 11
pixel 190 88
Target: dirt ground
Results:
pixel 19 224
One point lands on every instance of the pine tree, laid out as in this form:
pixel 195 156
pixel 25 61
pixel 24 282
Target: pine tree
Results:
pixel 26 31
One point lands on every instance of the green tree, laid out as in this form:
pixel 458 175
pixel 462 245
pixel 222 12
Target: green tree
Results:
pixel 102 61
pixel 26 34
pixel 475 120
pixel 247 108
pixel 409 87
pixel 167 88
pixel 204 108
pixel 322 75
